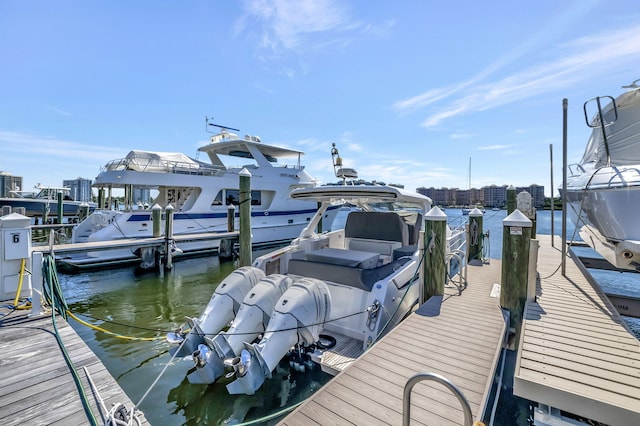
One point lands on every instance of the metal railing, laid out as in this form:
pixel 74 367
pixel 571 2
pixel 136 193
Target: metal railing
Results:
pixel 408 387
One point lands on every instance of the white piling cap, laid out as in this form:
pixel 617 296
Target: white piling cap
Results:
pixel 476 212
pixel 517 219
pixel 156 206
pixel 245 172
pixel 436 214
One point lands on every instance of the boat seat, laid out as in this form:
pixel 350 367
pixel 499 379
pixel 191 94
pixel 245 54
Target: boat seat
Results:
pixel 359 278
pixel 378 232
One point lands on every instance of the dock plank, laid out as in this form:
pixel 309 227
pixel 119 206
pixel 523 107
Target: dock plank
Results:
pixel 576 353
pixel 38 387
pixel 462 343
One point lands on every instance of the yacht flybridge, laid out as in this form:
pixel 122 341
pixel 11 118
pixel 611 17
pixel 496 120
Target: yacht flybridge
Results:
pixel 323 299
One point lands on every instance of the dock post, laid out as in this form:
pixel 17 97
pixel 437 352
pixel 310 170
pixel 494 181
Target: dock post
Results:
pixel 516 237
pixel 168 238
pixel 36 283
pixel 231 218
pixel 511 199
pixel 245 218
pixel 84 211
pixel 319 230
pixel 101 198
pixel 156 219
pixel 60 208
pixel 475 235
pixel 435 238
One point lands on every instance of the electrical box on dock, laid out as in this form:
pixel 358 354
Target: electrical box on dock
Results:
pixel 15 245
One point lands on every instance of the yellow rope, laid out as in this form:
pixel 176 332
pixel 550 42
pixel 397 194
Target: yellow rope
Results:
pixel 15 302
pixel 120 336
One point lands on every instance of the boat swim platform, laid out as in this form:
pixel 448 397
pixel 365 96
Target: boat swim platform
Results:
pixel 457 336
pixel 576 352
pixel 37 384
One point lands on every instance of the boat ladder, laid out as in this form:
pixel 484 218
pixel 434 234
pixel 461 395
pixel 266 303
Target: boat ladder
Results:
pixel 408 387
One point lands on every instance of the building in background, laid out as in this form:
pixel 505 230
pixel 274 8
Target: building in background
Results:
pixel 9 183
pixel 80 188
pixel 487 196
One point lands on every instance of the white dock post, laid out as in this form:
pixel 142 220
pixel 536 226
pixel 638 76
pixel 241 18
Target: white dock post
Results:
pixel 36 283
pixel 168 238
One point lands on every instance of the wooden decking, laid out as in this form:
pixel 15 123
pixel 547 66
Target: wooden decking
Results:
pixel 576 354
pixel 37 386
pixel 459 337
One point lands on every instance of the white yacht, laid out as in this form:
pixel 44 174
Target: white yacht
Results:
pixel 325 298
pixel 201 194
pixel 603 190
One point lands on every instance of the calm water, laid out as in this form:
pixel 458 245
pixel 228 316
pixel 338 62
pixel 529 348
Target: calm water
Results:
pixel 157 303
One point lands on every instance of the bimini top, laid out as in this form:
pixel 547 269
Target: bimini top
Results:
pixel 362 195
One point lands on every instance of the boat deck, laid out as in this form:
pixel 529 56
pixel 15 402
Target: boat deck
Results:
pixel 37 385
pixel 576 353
pixel 457 336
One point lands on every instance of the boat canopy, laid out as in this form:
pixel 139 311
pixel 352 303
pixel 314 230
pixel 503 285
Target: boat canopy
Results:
pixel 250 147
pixel 361 195
pixel 623 136
pixel 148 161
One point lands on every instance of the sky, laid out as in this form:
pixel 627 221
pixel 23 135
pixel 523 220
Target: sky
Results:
pixel 411 92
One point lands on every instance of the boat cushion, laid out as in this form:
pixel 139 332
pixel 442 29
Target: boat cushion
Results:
pixel 363 279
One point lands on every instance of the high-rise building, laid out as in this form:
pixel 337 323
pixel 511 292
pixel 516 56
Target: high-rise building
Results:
pixel 9 183
pixel 487 196
pixel 80 188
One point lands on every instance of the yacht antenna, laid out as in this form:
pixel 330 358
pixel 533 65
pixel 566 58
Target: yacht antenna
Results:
pixel 222 128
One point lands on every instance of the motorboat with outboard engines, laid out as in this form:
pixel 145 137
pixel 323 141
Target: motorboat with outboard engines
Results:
pixel 324 299
pixel 603 190
pixel 201 194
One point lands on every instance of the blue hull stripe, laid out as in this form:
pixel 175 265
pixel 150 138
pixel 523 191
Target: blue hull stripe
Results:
pixel 144 217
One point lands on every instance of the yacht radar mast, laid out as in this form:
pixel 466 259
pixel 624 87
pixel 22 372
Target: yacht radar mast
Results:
pixel 341 172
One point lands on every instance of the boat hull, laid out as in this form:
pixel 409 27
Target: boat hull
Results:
pixel 604 205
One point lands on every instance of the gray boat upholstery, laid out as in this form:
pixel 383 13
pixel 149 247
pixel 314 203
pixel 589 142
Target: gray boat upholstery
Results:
pixel 363 279
pixel 377 232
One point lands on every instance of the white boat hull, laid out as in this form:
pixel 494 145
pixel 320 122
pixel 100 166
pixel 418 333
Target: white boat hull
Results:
pixel 604 205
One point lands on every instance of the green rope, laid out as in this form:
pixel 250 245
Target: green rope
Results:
pixel 53 295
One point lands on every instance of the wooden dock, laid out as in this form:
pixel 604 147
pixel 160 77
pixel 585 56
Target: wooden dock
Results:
pixel 457 336
pixel 37 385
pixel 576 353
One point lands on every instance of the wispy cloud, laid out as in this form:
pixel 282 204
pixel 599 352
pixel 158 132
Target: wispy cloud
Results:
pixel 493 147
pixel 32 145
pixel 579 61
pixel 289 24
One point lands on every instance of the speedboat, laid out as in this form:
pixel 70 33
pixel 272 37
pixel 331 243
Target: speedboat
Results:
pixel 323 299
pixel 603 190
pixel 45 199
pixel 202 193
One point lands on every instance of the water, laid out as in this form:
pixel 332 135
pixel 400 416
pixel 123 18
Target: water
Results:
pixel 156 303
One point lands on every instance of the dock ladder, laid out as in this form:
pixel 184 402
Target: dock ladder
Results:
pixel 408 387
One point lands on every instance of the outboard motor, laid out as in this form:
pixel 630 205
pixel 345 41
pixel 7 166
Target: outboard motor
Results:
pixel 251 320
pixel 222 307
pixel 299 317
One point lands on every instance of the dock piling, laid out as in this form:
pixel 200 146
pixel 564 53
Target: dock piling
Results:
pixel 156 219
pixel 168 238
pixel 245 218
pixel 475 235
pixel 435 238
pixel 516 237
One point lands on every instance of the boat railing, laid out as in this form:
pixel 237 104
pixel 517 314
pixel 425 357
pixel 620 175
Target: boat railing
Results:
pixel 164 166
pixel 408 387
pixel 575 169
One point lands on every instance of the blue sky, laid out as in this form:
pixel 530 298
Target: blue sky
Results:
pixel 408 90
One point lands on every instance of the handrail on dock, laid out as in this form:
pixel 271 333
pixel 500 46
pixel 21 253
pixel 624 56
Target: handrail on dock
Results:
pixel 408 387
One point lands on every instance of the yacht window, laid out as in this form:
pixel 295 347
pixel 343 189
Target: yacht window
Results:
pixel 233 197
pixel 218 200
